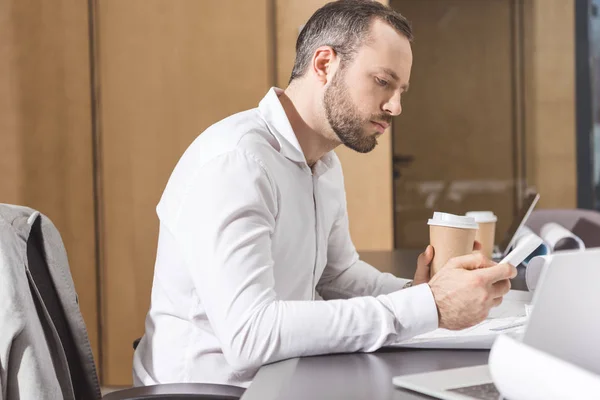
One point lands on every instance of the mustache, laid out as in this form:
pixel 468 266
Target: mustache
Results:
pixel 382 118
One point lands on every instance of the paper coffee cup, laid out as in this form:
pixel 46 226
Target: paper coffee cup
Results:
pixel 486 234
pixel 451 236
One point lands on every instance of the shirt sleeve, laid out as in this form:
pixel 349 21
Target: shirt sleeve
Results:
pixel 224 227
pixel 345 275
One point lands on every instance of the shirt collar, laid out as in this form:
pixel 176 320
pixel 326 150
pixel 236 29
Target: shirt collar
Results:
pixel 274 115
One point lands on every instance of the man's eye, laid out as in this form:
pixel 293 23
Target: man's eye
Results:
pixel 381 82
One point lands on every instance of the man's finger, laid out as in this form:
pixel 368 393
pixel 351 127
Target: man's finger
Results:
pixel 496 302
pixel 500 288
pixel 426 257
pixel 498 272
pixel 471 261
pixel 429 252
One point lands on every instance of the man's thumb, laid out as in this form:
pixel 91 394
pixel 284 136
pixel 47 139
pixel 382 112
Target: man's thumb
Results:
pixel 426 257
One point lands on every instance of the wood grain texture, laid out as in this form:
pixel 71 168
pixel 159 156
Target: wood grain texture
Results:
pixel 368 177
pixel 168 70
pixel 550 101
pixel 45 128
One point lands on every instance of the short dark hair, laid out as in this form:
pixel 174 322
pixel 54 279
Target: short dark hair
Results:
pixel 343 25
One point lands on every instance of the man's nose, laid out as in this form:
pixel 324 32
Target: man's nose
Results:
pixel 393 106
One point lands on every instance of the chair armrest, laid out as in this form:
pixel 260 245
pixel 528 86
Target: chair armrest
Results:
pixel 179 391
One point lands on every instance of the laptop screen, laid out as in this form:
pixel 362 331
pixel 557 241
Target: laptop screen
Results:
pixel 564 321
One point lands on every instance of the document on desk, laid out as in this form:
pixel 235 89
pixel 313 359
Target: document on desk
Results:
pixel 508 318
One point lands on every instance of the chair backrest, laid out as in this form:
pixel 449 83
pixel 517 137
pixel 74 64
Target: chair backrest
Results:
pixel 42 280
pixel 583 223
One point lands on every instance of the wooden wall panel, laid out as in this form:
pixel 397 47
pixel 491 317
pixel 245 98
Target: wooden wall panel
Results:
pixel 11 184
pixel 368 177
pixel 45 128
pixel 168 69
pixel 550 101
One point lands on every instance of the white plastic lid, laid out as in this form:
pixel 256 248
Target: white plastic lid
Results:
pixel 482 216
pixel 453 221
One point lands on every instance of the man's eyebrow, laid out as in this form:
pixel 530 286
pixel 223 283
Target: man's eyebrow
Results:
pixel 390 73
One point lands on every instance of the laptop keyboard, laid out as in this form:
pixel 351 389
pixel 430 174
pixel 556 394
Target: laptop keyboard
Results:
pixel 487 391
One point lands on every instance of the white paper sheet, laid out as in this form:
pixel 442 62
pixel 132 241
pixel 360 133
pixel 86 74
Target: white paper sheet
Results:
pixel 509 318
pixel 521 372
pixel 552 233
pixel 513 305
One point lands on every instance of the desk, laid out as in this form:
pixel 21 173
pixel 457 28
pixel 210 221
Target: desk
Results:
pixel 361 375
pixel 356 376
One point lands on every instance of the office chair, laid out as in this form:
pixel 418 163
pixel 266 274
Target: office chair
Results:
pixel 83 377
pixel 583 223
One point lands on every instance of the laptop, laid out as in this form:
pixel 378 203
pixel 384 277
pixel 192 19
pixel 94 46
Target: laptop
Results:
pixel 563 323
pixel 531 199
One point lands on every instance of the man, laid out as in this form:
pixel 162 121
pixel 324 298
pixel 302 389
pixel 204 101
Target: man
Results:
pixel 254 228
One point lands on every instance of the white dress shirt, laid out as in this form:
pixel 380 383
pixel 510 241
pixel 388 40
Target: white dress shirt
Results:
pixel 251 241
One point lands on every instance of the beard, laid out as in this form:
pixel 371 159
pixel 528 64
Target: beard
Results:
pixel 345 119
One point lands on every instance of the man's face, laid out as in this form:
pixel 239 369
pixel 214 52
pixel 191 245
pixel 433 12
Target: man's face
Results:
pixel 364 94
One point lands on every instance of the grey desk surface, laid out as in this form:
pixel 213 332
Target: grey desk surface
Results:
pixel 361 375
pixel 354 376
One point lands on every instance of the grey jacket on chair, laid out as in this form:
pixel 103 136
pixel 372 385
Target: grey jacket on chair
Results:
pixel 44 347
pixel 33 363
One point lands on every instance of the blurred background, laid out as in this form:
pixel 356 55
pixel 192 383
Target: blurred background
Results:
pixel 98 100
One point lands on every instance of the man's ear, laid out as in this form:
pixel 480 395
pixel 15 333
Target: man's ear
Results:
pixel 323 62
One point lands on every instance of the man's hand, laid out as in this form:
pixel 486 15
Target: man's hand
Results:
pixel 423 266
pixel 467 287
pixel 422 274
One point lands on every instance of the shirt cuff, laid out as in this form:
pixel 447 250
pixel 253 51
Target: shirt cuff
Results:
pixel 415 311
pixel 389 283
